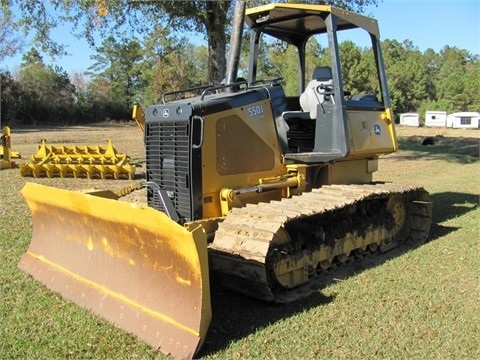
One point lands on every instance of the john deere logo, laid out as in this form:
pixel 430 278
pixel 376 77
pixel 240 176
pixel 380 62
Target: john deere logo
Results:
pixel 377 129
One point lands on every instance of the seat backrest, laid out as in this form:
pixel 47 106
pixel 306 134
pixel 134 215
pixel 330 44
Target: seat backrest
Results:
pixel 313 94
pixel 322 73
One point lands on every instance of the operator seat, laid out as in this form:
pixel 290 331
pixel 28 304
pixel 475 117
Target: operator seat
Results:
pixel 318 90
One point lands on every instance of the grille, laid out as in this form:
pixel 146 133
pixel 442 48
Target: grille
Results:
pixel 168 164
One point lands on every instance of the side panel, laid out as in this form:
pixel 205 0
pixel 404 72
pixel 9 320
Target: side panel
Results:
pixel 348 172
pixel 371 133
pixel 240 147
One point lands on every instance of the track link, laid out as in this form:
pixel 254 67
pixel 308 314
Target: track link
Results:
pixel 269 250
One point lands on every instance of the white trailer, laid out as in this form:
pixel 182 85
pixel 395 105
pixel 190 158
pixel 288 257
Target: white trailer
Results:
pixel 409 119
pixel 436 118
pixel 464 120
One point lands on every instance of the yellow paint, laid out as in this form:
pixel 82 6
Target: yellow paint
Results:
pixel 115 295
pixel 151 240
pixel 391 127
pixel 102 9
pixel 90 244
pixel 183 281
pixel 168 234
pixel 276 11
pixel 265 134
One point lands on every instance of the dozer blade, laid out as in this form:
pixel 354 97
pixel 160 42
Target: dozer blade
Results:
pixel 130 264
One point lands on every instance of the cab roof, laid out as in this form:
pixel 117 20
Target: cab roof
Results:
pixel 292 22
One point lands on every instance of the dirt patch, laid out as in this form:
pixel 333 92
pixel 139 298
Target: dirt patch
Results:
pixel 440 140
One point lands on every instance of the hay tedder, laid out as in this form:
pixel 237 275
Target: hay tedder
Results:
pixel 262 188
pixel 78 161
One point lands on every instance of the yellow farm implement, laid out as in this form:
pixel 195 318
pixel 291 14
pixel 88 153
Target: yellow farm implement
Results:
pixel 100 162
pixel 6 153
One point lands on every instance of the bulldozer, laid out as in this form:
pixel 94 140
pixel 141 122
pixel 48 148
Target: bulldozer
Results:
pixel 246 185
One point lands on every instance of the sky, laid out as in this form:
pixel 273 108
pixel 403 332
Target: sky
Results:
pixel 430 23
pixel 427 23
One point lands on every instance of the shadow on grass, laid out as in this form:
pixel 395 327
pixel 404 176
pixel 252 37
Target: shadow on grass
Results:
pixel 236 316
pixel 446 206
pixel 449 205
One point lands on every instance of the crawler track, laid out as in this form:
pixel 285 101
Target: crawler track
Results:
pixel 270 250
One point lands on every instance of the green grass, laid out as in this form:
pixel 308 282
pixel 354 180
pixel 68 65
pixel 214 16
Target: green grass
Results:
pixel 417 304
pixel 409 303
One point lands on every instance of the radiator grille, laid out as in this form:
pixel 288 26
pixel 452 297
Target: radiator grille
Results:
pixel 168 164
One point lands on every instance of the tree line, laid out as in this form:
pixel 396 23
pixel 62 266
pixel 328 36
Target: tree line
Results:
pixel 129 71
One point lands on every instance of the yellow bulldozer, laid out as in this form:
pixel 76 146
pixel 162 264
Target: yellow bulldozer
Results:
pixel 259 190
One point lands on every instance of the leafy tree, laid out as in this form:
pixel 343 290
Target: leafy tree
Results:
pixel 9 43
pixel 472 84
pixel 47 94
pixel 84 102
pixel 126 70
pixel 116 64
pixel 271 63
pixel 458 73
pixel 114 17
pixel 177 70
pixel 32 57
pixel 285 63
pixel 407 75
pixel 169 64
pixel 10 99
pixel 432 66
pixel 103 103
pixel 358 68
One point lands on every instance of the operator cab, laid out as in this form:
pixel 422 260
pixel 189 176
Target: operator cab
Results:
pixel 318 120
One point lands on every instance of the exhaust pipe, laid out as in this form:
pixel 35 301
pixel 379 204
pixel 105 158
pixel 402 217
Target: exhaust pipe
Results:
pixel 235 42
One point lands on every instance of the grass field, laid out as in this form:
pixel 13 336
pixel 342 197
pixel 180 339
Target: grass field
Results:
pixel 409 303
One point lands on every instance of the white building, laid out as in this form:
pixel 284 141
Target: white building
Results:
pixel 436 118
pixel 409 119
pixel 466 119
